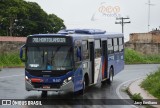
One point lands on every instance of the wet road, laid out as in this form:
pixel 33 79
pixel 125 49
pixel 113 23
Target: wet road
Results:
pixel 12 87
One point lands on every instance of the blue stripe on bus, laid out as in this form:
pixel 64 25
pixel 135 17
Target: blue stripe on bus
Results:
pixel 78 79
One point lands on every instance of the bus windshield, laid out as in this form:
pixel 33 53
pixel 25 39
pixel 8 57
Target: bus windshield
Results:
pixel 49 58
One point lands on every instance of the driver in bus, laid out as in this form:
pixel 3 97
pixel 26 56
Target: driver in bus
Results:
pixel 49 65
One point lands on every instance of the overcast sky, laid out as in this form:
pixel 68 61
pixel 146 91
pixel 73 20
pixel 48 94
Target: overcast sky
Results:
pixel 94 14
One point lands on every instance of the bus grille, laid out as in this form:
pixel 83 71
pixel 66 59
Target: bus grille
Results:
pixel 40 85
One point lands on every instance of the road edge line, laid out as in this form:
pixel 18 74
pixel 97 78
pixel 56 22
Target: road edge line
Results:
pixel 118 88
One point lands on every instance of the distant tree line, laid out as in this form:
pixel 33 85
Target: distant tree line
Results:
pixel 21 18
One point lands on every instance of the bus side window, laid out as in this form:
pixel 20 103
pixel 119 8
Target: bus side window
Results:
pixel 115 41
pixel 77 54
pixel 121 44
pixel 97 48
pixel 110 46
pixel 85 50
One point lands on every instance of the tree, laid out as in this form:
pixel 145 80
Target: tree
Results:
pixel 56 23
pixel 21 18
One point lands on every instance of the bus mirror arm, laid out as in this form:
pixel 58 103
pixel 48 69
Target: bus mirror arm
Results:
pixel 21 53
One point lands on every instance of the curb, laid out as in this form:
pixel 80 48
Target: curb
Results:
pixel 11 67
pixel 135 88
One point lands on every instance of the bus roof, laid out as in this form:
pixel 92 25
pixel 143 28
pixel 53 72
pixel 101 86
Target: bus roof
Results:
pixel 83 33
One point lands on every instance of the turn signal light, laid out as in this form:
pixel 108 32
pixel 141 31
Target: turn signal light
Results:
pixel 36 80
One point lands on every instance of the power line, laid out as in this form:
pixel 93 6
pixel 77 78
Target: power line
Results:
pixel 122 22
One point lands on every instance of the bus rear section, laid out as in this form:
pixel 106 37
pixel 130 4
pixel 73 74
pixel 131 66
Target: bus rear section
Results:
pixel 48 63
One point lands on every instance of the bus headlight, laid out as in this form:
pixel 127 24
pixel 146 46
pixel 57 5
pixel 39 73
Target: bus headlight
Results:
pixel 69 78
pixel 27 78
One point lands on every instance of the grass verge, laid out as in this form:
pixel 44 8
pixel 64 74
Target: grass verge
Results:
pixel 152 85
pixel 10 60
pixel 135 96
pixel 133 57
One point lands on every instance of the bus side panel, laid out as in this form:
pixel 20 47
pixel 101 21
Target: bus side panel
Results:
pixel 121 62
pixel 86 68
pixel 78 77
pixel 116 63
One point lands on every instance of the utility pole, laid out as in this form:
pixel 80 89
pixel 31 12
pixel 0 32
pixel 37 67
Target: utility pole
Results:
pixel 122 22
pixel 149 9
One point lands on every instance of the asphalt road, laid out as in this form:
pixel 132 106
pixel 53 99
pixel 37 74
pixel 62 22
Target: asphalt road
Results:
pixel 12 87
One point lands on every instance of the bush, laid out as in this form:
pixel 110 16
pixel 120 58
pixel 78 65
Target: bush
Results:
pixel 136 97
pixel 10 59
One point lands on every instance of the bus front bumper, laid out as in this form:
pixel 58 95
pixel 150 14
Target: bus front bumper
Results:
pixel 68 87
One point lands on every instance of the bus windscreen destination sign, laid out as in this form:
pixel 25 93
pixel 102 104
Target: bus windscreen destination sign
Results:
pixel 48 40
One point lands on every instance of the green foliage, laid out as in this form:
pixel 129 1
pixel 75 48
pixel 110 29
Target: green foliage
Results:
pixel 133 57
pixel 151 84
pixel 136 96
pixel 25 18
pixel 10 59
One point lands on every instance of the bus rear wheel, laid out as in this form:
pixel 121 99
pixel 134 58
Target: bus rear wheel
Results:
pixel 110 79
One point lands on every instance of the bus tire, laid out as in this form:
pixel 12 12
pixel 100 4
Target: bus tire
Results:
pixel 111 73
pixel 85 83
pixel 84 87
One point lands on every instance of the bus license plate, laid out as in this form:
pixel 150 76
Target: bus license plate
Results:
pixel 46 87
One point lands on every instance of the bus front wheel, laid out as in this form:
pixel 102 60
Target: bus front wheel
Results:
pixel 85 84
pixel 83 89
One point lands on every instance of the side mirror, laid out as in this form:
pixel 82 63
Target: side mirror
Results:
pixel 79 53
pixel 21 53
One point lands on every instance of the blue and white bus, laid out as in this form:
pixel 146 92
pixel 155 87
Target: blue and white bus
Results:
pixel 71 60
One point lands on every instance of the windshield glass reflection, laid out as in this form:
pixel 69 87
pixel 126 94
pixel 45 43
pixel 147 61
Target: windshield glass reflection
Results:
pixel 49 58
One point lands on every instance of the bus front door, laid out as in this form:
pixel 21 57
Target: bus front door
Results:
pixel 91 56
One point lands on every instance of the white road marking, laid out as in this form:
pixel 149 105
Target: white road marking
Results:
pixel 118 88
pixel 11 76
